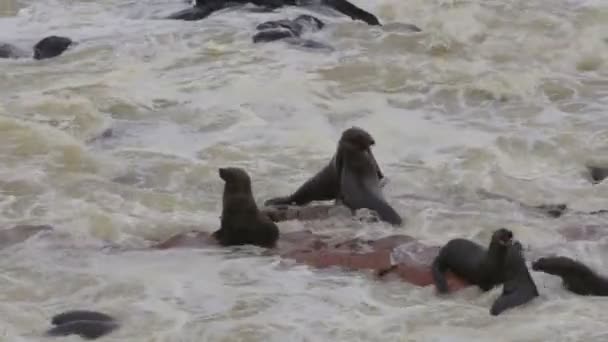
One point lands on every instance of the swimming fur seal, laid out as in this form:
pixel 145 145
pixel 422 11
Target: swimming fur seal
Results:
pixel 518 287
pixel 358 177
pixel 290 31
pixel 87 324
pixel 597 173
pixel 473 262
pixel 48 47
pixel 203 8
pixel 325 185
pixel 576 276
pixel 242 223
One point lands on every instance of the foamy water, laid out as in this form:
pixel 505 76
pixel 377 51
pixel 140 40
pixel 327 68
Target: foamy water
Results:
pixel 509 96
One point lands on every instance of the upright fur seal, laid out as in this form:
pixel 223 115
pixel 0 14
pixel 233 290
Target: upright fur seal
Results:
pixel 472 262
pixel 358 178
pixel 242 223
pixel 519 287
pixel 325 185
pixel 87 324
pixel 576 276
pixel 48 47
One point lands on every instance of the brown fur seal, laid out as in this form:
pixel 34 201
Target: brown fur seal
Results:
pixel 325 185
pixel 477 265
pixel 86 324
pixel 242 223
pixel 358 178
pixel 576 277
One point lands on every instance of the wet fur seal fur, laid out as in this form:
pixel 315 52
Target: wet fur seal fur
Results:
pixel 576 277
pixel 86 324
pixel 472 262
pixel 203 8
pixel 290 31
pixel 242 223
pixel 358 178
pixel 48 47
pixel 325 185
pixel 519 287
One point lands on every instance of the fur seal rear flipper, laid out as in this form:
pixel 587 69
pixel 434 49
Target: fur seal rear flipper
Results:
pixel 242 223
pixel 473 262
pixel 518 288
pixel 87 324
pixel 325 185
pixel 576 277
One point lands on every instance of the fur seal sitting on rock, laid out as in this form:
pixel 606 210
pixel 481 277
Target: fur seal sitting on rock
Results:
pixel 87 324
pixel 518 287
pixel 472 262
pixel 325 185
pixel 290 31
pixel 48 47
pixel 352 178
pixel 242 223
pixel 576 277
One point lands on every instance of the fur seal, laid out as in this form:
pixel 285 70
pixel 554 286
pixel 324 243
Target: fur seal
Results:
pixel 290 31
pixel 576 277
pixel 87 324
pixel 325 185
pixel 203 8
pixel 518 287
pixel 242 223
pixel 48 47
pixel 597 173
pixel 473 262
pixel 359 181
pixel 20 233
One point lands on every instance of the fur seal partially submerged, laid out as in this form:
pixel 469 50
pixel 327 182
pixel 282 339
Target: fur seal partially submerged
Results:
pixel 86 324
pixel 242 223
pixel 472 262
pixel 290 31
pixel 518 287
pixel 203 8
pixel 48 47
pixel 576 277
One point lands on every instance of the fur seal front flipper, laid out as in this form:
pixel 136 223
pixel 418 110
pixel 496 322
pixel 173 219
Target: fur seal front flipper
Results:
pixel 242 223
pixel 519 287
pixel 87 324
pixel 473 262
pixel 576 277
pixel 325 185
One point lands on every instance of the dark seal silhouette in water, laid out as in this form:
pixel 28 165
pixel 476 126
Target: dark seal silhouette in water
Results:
pixel 597 173
pixel 358 177
pixel 472 262
pixel 203 8
pixel 576 277
pixel 290 31
pixel 242 223
pixel 518 287
pixel 325 185
pixel 86 324
pixel 48 47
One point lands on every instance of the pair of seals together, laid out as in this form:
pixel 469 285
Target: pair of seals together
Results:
pixel 352 177
pixel 501 263
pixel 48 47
pixel 204 8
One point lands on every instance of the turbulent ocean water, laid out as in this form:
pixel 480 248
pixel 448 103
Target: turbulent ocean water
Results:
pixel 507 96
